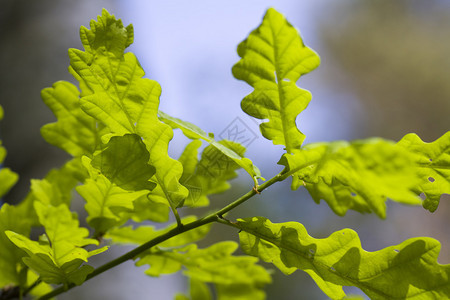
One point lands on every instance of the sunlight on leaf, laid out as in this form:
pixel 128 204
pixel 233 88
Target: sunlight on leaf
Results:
pixel 273 58
pixel 359 175
pixel 10 259
pixel 214 264
pixel 433 163
pixel 75 131
pixel 59 254
pixel 115 94
pixel 407 270
pixel 193 132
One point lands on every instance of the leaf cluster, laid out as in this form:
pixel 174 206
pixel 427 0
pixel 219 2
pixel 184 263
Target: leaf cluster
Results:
pixel 118 138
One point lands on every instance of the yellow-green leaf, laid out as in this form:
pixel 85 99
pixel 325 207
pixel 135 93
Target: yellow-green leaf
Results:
pixel 432 161
pixel 273 58
pixel 408 270
pixel 359 175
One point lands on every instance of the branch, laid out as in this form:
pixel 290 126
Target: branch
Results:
pixel 214 217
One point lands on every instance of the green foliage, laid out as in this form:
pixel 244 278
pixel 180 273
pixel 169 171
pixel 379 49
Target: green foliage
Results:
pixel 407 270
pixel 273 59
pixel 119 142
pixel 59 254
pixel 357 175
pixel 432 161
pixel 214 264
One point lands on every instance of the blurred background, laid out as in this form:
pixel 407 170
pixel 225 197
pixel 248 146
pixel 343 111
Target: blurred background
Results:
pixel 385 72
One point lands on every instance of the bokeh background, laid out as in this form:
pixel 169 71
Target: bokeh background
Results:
pixel 385 72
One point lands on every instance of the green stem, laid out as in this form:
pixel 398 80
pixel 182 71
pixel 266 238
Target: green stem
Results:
pixel 28 289
pixel 214 217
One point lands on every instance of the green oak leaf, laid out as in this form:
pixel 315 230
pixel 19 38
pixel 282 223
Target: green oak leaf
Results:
pixel 359 175
pixel 210 174
pixel 11 263
pixel 198 290
pixel 124 161
pixel 142 234
pixel 55 189
pixel 59 254
pixel 8 178
pixel 408 270
pixel 75 131
pixel 146 209
pixel 433 163
pixel 114 93
pixel 194 132
pixel 106 202
pixel 273 57
pixel 214 264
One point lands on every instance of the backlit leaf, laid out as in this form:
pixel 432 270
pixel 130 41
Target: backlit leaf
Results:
pixel 124 162
pixel 214 264
pixel 75 131
pixel 10 258
pixel 211 173
pixel 433 163
pixel 193 132
pixel 359 175
pixel 273 58
pixel 59 254
pixel 55 189
pixel 408 270
pixel 115 94
pixel 105 201
pixel 8 178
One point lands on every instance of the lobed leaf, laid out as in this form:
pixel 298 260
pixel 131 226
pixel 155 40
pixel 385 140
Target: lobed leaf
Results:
pixel 8 178
pixel 105 201
pixel 432 161
pixel 55 189
pixel 407 270
pixel 273 58
pixel 214 264
pixel 124 161
pixel 210 174
pixel 198 290
pixel 359 175
pixel 115 94
pixel 11 264
pixel 194 132
pixel 75 132
pixel 58 255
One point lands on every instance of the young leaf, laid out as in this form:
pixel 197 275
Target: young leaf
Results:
pixel 8 178
pixel 407 270
pixel 115 94
pixel 59 255
pixel 105 201
pixel 146 209
pixel 55 189
pixel 75 131
pixel 211 173
pixel 11 259
pixel 433 163
pixel 273 58
pixel 214 264
pixel 357 175
pixel 124 162
pixel 198 290
pixel 193 132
